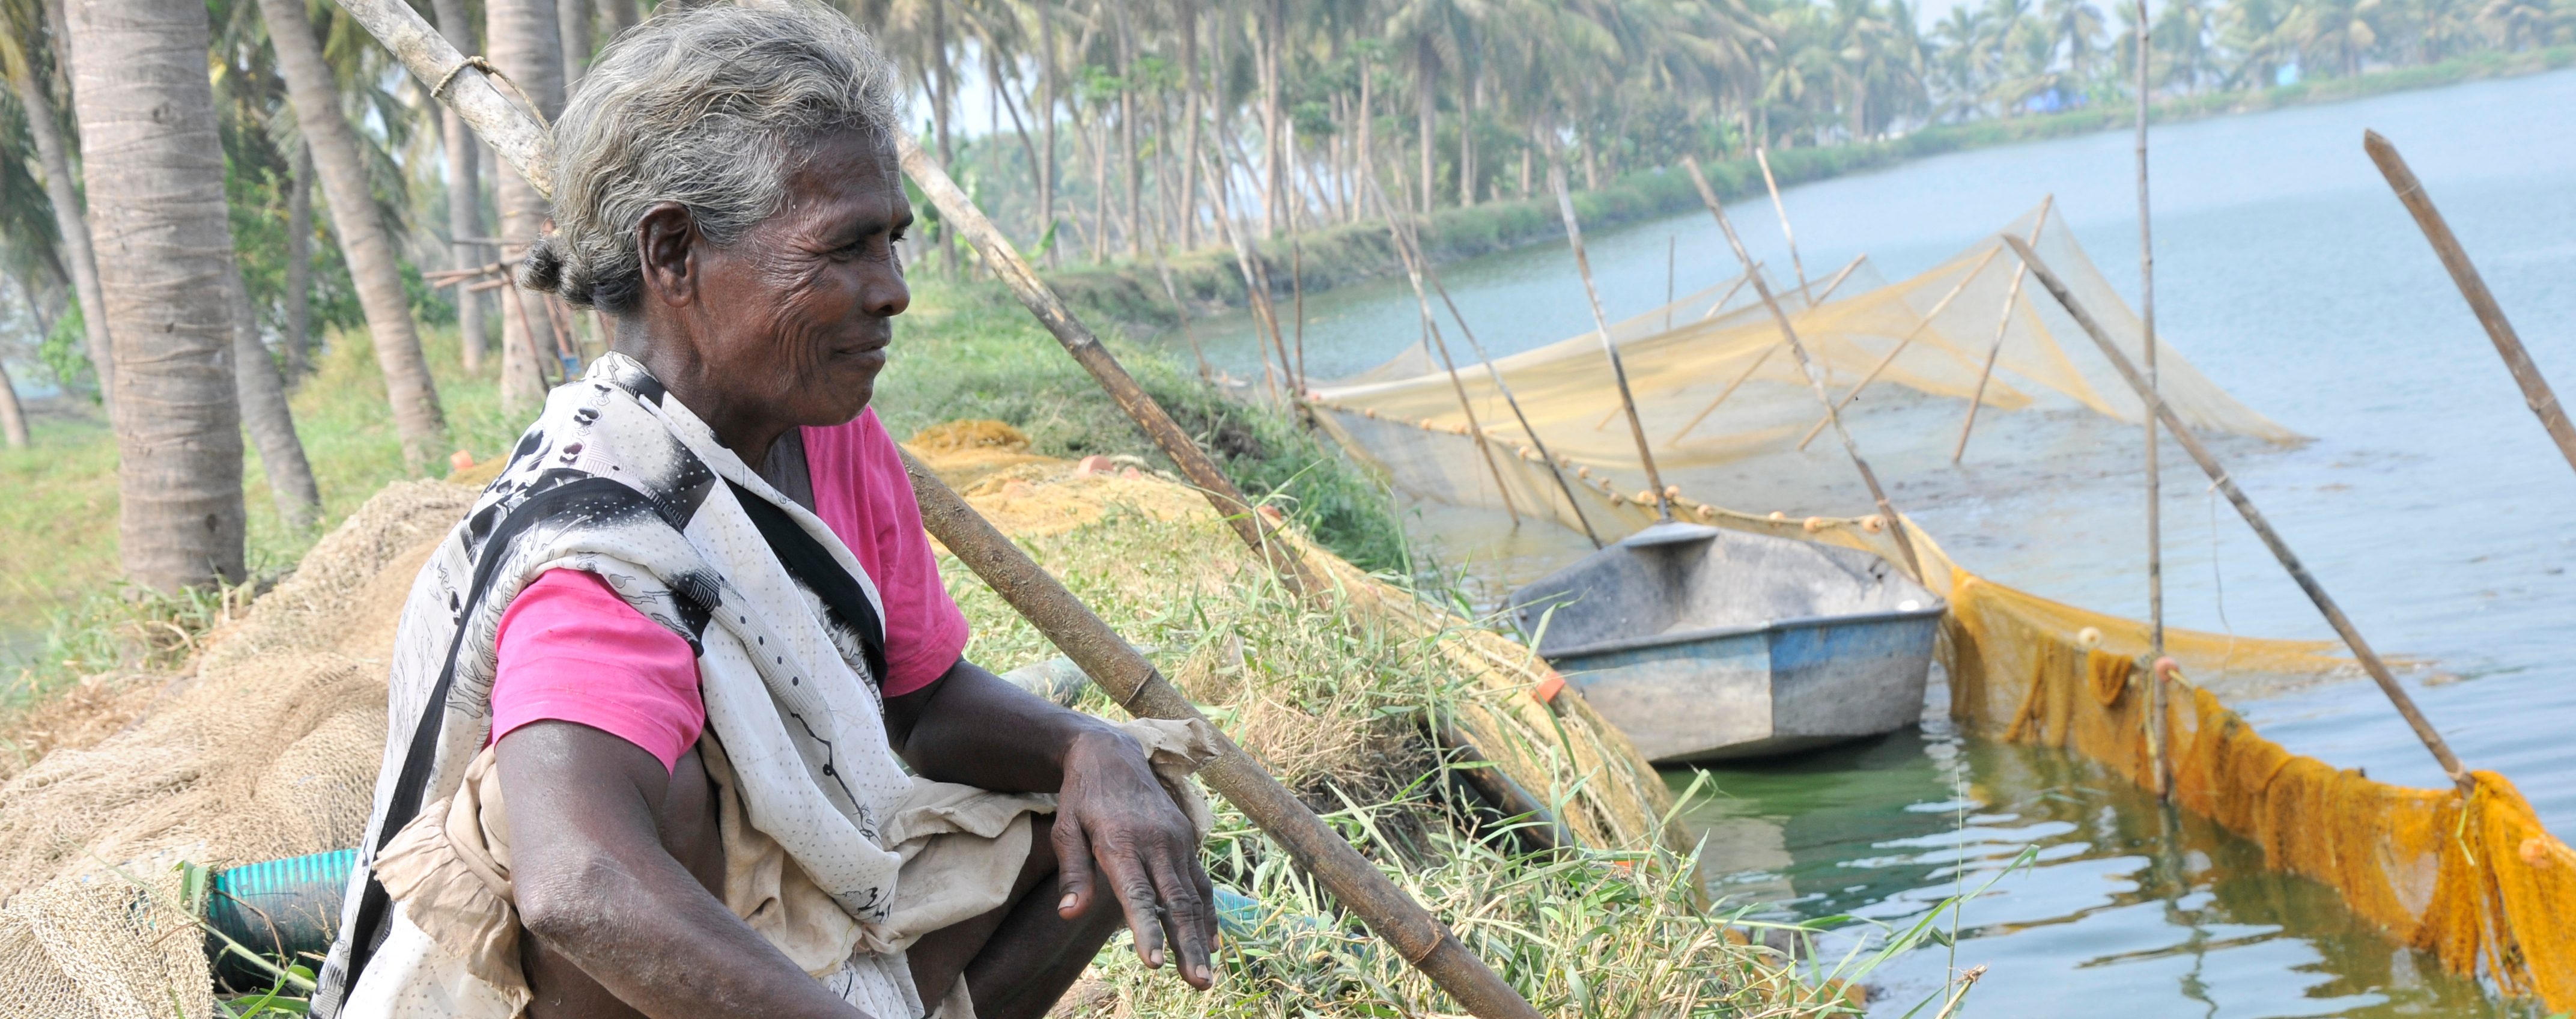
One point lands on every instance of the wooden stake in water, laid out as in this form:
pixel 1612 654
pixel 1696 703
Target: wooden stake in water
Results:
pixel 1925 323
pixel 2254 518
pixel 2536 393
pixel 1763 159
pixel 1408 247
pixel 2003 326
pixel 2155 481
pixel 1600 321
pixel 1808 367
pixel 1830 286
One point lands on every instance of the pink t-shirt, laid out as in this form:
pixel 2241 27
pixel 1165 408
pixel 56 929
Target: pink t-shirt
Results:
pixel 572 651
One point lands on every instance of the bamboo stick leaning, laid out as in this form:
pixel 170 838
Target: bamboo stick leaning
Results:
pixel 1772 184
pixel 2003 327
pixel 1600 321
pixel 1422 940
pixel 1919 326
pixel 1765 356
pixel 2536 393
pixel 1431 337
pixel 2163 772
pixel 1807 366
pixel 2218 476
pixel 1409 247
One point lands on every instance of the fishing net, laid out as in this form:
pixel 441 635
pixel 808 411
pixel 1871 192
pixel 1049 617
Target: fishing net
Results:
pixel 1718 386
pixel 267 747
pixel 2471 877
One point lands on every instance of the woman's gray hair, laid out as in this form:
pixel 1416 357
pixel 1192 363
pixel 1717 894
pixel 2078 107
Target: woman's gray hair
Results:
pixel 704 106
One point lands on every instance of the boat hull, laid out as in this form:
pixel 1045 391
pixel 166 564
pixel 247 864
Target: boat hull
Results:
pixel 1791 686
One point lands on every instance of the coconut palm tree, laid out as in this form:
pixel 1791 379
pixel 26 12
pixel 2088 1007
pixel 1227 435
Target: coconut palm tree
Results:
pixel 22 31
pixel 526 47
pixel 364 241
pixel 465 186
pixel 156 189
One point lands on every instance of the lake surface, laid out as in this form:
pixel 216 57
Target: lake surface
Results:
pixel 2429 502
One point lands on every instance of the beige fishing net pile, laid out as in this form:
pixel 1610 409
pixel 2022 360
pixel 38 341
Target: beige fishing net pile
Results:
pixel 1718 387
pixel 267 748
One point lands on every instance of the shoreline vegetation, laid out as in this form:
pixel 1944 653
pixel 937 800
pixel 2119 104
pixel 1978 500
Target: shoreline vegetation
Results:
pixel 1210 281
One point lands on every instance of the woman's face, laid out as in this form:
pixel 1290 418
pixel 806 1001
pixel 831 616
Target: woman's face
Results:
pixel 794 315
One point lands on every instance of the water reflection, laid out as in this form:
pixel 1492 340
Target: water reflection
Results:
pixel 2125 908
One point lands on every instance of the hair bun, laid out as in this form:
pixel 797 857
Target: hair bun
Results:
pixel 543 267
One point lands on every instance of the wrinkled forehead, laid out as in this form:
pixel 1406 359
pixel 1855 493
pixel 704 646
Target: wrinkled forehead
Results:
pixel 847 172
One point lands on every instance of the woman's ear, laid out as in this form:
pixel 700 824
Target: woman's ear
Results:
pixel 666 244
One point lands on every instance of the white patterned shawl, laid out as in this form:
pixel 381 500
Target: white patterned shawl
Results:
pixel 618 479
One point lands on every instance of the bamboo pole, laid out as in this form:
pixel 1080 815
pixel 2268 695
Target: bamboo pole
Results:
pixel 1256 282
pixel 2003 325
pixel 2254 518
pixel 1723 298
pixel 1618 370
pixel 2156 750
pixel 1422 940
pixel 1830 286
pixel 1763 159
pixel 1297 285
pixel 1925 323
pixel 1409 248
pixel 1431 337
pixel 2536 393
pixel 1142 690
pixel 1807 366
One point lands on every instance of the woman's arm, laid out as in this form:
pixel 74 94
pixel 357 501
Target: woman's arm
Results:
pixel 596 882
pixel 974 728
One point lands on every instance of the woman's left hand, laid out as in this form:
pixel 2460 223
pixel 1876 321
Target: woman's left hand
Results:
pixel 1113 812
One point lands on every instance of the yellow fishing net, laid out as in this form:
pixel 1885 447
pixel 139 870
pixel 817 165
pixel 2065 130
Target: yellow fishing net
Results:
pixel 2471 877
pixel 1719 386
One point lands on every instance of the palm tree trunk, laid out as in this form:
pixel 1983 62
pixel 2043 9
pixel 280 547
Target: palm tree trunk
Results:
pixel 621 16
pixel 363 238
pixel 1366 164
pixel 1467 140
pixel 1266 66
pixel 264 413
pixel 572 26
pixel 1188 28
pixel 299 265
pixel 69 224
pixel 156 189
pixel 525 45
pixel 1425 76
pixel 1046 131
pixel 13 418
pixel 465 189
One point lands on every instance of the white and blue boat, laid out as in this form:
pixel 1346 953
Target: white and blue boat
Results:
pixel 1703 644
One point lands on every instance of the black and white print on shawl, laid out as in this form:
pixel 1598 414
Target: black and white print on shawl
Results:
pixel 618 478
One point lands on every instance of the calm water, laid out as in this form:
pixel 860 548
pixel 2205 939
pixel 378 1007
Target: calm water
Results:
pixel 2430 503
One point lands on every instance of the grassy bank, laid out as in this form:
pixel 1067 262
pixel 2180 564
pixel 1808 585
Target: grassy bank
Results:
pixel 1209 280
pixel 965 351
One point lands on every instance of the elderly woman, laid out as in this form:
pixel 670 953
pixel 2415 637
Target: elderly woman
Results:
pixel 693 635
